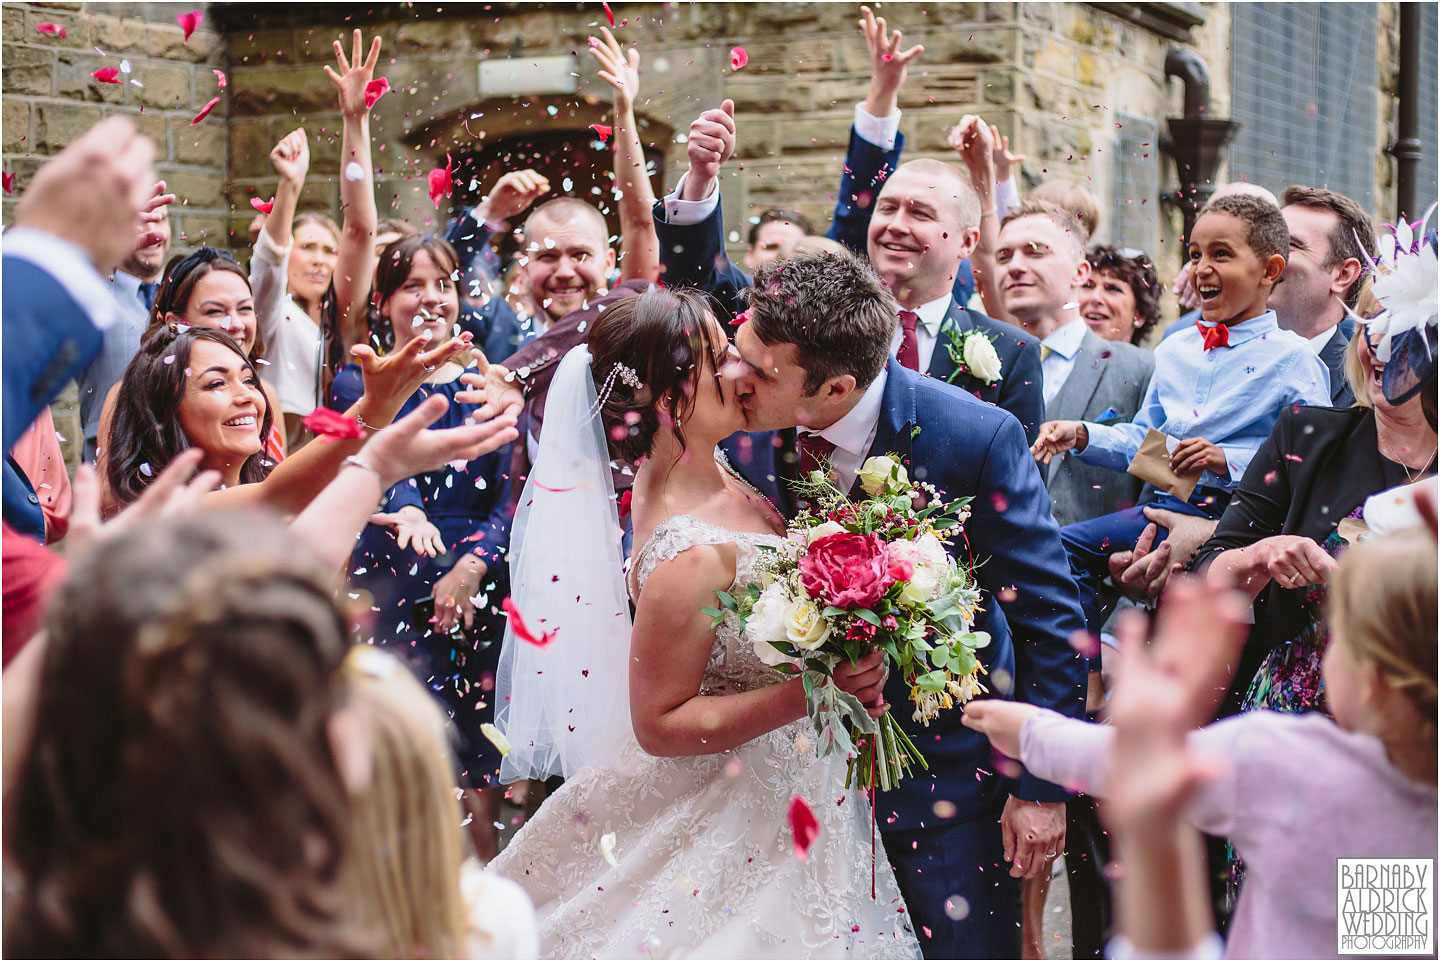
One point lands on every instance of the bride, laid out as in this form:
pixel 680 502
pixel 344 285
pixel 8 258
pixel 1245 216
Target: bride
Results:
pixel 682 750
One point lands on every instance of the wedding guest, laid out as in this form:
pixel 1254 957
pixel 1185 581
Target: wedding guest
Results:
pixel 135 284
pixel 1216 393
pixel 1298 792
pixel 197 388
pixel 439 539
pixel 774 233
pixel 433 902
pixel 1331 239
pixel 163 808
pixel 308 274
pixel 1183 287
pixel 1120 300
pixel 36 484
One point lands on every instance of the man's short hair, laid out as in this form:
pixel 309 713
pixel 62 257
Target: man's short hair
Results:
pixel 776 215
pixel 1265 230
pixel 1075 199
pixel 832 307
pixel 1070 225
pixel 562 209
pixel 967 202
pixel 1352 236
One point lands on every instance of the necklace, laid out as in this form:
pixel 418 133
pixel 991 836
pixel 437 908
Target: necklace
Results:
pixel 1419 472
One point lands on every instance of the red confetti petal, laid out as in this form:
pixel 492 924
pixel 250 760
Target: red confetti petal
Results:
pixel 625 503
pixel 189 21
pixel 608 15
pixel 53 29
pixel 108 75
pixel 738 58
pixel 374 90
pixel 205 111
pixel 522 630
pixel 263 206
pixel 219 76
pixel 333 424
pixel 441 182
pixel 7 181
pixel 602 130
pixel 740 318
pixel 803 825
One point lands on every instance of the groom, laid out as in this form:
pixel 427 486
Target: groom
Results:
pixel 817 381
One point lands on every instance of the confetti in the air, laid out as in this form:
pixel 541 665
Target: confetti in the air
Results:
pixel 333 424
pixel 607 849
pixel 602 131
pixel 608 15
pixel 501 743
pixel 374 90
pixel 442 181
pixel 263 206
pixel 803 825
pixel 189 22
pixel 205 111
pixel 7 181
pixel 219 77
pixel 52 29
pixel 738 58
pixel 108 75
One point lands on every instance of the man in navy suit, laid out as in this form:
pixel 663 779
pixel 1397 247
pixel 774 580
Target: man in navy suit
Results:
pixel 817 374
pixel 76 221
pixel 918 224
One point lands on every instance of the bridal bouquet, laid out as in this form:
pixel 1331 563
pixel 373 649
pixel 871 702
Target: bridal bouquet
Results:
pixel 856 576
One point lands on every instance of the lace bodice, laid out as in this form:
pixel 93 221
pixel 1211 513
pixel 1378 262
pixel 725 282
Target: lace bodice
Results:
pixel 733 664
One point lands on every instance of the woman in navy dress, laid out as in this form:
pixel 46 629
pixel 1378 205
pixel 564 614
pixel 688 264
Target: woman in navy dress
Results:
pixel 433 558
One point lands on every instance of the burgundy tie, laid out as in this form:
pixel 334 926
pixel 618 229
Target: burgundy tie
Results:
pixel 909 353
pixel 815 453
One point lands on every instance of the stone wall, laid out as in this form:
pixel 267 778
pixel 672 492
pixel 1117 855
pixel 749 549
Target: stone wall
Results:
pixel 51 97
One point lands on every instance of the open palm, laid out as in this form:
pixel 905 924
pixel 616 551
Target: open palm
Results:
pixel 354 74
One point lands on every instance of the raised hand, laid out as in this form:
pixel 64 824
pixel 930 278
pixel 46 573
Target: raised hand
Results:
pixel 454 590
pixel 412 529
pixel 92 192
pixel 619 68
pixel 888 64
pixel 971 138
pixel 712 142
pixel 408 447
pixel 291 157
pixel 354 74
pixel 153 212
pixel 1057 437
pixel 1005 162
pixel 390 380
pixel 512 195
pixel 494 389
pixel 172 492
pixel 1184 291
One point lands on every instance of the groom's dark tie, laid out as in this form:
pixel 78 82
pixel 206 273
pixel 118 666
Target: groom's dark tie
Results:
pixel 815 452
pixel 909 353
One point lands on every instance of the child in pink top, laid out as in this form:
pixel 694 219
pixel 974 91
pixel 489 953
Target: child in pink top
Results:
pixel 1296 793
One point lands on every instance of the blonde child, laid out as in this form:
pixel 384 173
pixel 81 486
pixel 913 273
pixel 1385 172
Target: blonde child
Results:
pixel 426 897
pixel 1295 793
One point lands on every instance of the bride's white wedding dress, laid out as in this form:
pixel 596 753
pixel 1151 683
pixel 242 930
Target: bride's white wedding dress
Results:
pixel 705 860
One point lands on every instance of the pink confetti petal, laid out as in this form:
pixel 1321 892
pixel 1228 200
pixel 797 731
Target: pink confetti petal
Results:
pixel 803 825
pixel 53 29
pixel 441 181
pixel 205 111
pixel 108 75
pixel 7 181
pixel 602 131
pixel 189 21
pixel 522 630
pixel 333 424
pixel 263 206
pixel 738 58
pixel 374 90
pixel 608 15
pixel 219 77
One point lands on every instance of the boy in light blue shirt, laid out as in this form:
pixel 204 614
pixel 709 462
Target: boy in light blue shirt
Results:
pixel 1218 388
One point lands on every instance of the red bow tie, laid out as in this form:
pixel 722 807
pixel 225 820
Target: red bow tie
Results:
pixel 1217 336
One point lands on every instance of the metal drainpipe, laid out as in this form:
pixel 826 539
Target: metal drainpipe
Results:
pixel 1407 148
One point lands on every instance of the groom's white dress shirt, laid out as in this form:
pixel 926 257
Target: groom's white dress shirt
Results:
pixel 853 434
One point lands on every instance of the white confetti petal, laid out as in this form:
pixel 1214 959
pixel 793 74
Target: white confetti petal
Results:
pixel 354 171
pixel 607 849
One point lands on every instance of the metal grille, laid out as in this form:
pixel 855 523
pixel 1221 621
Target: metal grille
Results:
pixel 1303 85
pixel 1426 174
pixel 1137 183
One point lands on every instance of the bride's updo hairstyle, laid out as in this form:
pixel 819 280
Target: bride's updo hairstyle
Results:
pixel 647 352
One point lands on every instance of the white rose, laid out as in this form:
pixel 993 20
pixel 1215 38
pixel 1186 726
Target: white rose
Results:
pixel 932 549
pixel 824 530
pixel 805 626
pixel 767 621
pixel 981 359
pixel 876 473
pixel 924 579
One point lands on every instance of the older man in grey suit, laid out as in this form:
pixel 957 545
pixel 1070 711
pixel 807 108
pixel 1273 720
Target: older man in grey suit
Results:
pixel 1040 261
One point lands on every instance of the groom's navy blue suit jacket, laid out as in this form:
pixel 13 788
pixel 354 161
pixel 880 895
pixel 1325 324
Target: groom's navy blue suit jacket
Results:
pixel 968 448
